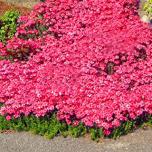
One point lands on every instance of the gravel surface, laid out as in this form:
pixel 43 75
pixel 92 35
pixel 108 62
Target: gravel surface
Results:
pixel 139 141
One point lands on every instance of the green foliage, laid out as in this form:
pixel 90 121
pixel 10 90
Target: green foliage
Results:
pixel 8 25
pixel 96 133
pixel 124 129
pixel 49 127
pixel 1 104
pixel 149 120
pixel 148 7
pixel 39 27
pixel 148 123
pixel 77 131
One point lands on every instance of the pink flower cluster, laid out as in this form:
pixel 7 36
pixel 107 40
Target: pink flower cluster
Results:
pixel 91 60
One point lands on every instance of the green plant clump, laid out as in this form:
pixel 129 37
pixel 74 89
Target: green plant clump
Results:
pixel 8 25
pixel 147 7
pixel 49 127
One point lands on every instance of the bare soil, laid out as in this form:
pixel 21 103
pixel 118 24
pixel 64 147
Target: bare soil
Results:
pixel 22 3
pixel 5 7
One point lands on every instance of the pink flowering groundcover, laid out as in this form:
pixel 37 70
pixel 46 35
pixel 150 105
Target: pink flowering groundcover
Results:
pixel 88 60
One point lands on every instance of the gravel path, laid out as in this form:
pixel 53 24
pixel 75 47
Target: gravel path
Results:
pixel 139 141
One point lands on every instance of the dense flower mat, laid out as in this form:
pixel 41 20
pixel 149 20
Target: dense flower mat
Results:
pixel 89 60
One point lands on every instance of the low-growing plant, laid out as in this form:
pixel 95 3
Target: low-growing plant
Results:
pixel 92 65
pixel 49 126
pixel 8 25
pixel 148 7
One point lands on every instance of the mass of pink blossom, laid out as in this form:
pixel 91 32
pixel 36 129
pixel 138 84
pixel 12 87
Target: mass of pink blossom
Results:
pixel 89 60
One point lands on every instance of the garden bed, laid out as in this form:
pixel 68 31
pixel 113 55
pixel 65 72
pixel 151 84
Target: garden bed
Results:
pixel 74 68
pixel 5 7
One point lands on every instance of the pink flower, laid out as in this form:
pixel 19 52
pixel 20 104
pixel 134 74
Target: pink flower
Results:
pixel 92 66
pixel 106 132
pixel 8 118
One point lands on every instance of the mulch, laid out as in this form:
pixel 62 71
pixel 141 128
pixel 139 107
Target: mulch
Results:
pixel 5 7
